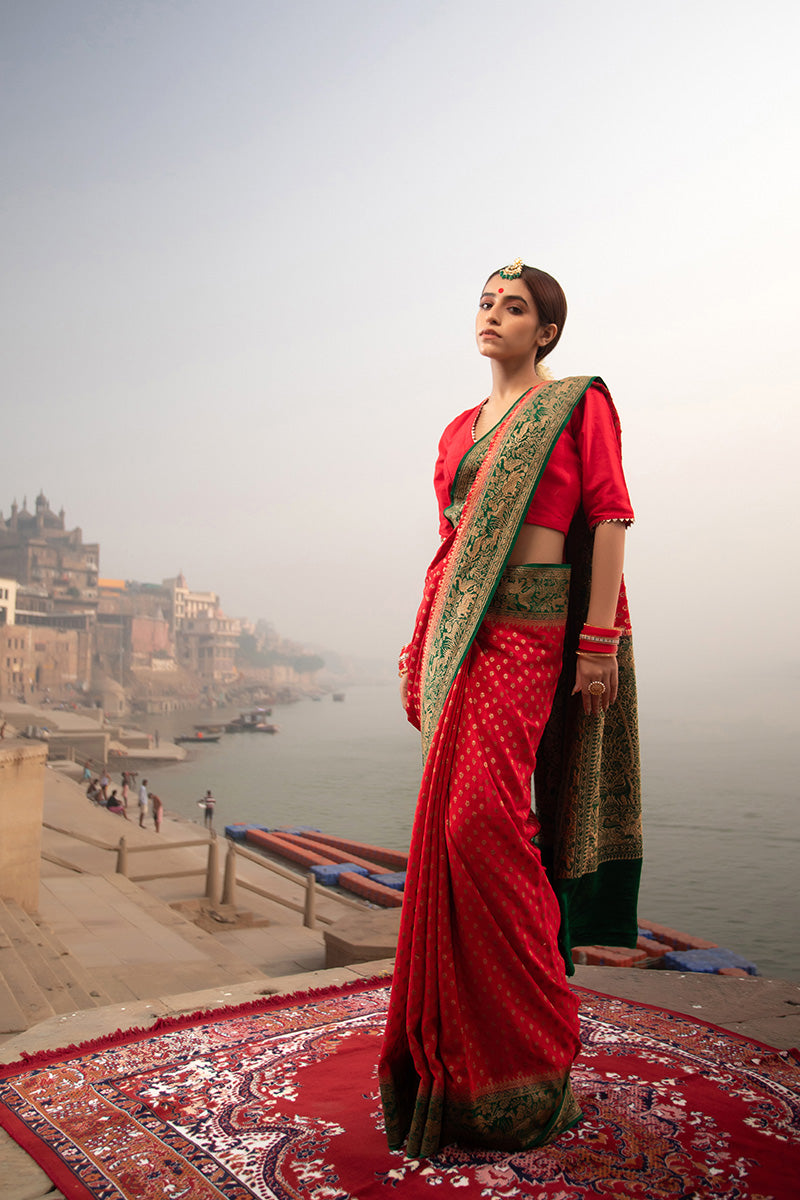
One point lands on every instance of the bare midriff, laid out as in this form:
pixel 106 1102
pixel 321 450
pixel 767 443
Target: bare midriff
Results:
pixel 535 544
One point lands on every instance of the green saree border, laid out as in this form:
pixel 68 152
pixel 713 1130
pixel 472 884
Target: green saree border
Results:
pixel 492 517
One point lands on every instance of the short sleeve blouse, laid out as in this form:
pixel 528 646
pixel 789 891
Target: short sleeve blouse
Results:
pixel 585 467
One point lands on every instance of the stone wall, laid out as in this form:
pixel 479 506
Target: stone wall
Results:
pixel 22 767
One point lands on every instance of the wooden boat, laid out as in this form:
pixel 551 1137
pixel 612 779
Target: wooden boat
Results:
pixel 338 696
pixel 198 738
pixel 251 721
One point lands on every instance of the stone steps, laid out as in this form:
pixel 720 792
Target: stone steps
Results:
pixel 31 989
pixel 134 945
pixel 57 973
pixel 102 940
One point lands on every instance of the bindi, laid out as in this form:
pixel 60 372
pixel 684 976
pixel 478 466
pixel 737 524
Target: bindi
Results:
pixel 501 290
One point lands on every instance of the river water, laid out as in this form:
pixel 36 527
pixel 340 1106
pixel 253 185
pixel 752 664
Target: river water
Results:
pixel 720 809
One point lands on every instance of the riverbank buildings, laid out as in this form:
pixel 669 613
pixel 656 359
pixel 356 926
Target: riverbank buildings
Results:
pixel 62 627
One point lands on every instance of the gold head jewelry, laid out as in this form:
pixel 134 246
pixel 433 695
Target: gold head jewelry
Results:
pixel 513 270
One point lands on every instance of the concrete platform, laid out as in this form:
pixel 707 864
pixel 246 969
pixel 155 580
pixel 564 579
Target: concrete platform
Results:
pixel 765 1010
pixel 126 936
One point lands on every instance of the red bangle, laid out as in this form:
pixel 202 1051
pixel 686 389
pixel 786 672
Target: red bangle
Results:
pixel 594 640
pixel 597 646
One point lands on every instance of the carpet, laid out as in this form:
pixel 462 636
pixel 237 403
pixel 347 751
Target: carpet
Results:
pixel 279 1099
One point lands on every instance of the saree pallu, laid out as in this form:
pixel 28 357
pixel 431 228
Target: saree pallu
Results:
pixel 482 1028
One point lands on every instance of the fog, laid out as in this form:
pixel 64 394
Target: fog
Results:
pixel 242 253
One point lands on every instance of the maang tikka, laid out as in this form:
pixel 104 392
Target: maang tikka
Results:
pixel 513 270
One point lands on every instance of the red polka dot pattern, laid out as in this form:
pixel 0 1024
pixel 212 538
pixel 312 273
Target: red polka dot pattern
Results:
pixel 480 1004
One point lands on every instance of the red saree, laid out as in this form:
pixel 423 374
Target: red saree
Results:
pixel 482 1028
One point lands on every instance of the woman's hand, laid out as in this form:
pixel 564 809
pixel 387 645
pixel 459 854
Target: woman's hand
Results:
pixel 404 689
pixel 600 667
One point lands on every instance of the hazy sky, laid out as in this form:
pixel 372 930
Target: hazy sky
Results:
pixel 242 248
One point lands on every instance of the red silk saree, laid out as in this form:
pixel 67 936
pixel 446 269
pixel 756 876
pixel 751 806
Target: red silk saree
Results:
pixel 482 1028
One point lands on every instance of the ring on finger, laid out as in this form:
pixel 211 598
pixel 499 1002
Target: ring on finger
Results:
pixel 596 688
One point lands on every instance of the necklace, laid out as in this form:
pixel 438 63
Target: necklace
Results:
pixel 533 387
pixel 477 416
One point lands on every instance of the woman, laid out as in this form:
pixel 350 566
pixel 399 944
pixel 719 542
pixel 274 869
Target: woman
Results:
pixel 513 667
pixel 115 805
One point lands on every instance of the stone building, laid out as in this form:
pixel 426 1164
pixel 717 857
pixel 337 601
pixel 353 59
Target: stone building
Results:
pixel 132 630
pixel 38 550
pixel 147 625
pixel 208 645
pixel 37 659
pixel 8 601
pixel 186 605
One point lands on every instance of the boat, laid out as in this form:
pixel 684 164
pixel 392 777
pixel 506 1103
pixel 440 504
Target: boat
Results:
pixel 251 721
pixel 198 738
pixel 338 696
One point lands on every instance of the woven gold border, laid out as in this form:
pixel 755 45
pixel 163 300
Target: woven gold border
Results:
pixel 491 518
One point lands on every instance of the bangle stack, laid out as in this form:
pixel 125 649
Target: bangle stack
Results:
pixel 403 662
pixel 594 640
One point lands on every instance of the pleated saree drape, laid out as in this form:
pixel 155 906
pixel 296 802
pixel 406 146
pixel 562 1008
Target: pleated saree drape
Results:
pixel 482 1028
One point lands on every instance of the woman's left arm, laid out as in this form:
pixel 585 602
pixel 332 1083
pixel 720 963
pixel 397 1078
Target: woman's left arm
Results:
pixel 607 560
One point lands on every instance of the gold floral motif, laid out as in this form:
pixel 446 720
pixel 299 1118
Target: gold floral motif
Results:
pixel 526 1113
pixel 532 592
pixel 587 779
pixel 505 481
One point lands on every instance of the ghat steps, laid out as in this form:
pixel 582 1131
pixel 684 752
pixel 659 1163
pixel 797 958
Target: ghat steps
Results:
pixel 99 940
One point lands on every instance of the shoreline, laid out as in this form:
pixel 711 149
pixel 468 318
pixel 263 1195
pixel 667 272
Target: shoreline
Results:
pixel 353 769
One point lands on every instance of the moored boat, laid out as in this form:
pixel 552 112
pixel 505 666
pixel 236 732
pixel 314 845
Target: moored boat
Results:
pixel 251 721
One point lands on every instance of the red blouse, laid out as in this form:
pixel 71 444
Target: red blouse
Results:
pixel 585 468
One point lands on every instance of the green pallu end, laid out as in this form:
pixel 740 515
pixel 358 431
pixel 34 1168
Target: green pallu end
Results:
pixel 598 909
pixel 588 792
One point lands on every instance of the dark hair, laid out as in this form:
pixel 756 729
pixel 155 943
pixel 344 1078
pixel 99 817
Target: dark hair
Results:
pixel 548 296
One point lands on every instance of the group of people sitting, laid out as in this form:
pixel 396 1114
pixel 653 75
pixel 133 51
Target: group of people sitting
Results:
pixel 97 791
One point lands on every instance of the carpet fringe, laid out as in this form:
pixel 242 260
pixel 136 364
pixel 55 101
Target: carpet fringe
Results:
pixel 124 1037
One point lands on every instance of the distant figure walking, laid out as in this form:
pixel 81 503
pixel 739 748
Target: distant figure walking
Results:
pixel 87 771
pixel 142 803
pixel 158 810
pixel 126 782
pixel 208 803
pixel 104 782
pixel 157 738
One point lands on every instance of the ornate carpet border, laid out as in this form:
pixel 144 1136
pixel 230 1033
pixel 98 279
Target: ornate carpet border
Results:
pixel 125 1037
pixel 681 1016
pixel 45 1058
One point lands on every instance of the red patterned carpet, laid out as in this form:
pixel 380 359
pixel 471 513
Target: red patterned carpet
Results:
pixel 279 1100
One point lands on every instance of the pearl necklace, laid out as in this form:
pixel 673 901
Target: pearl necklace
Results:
pixel 477 417
pixel 486 401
